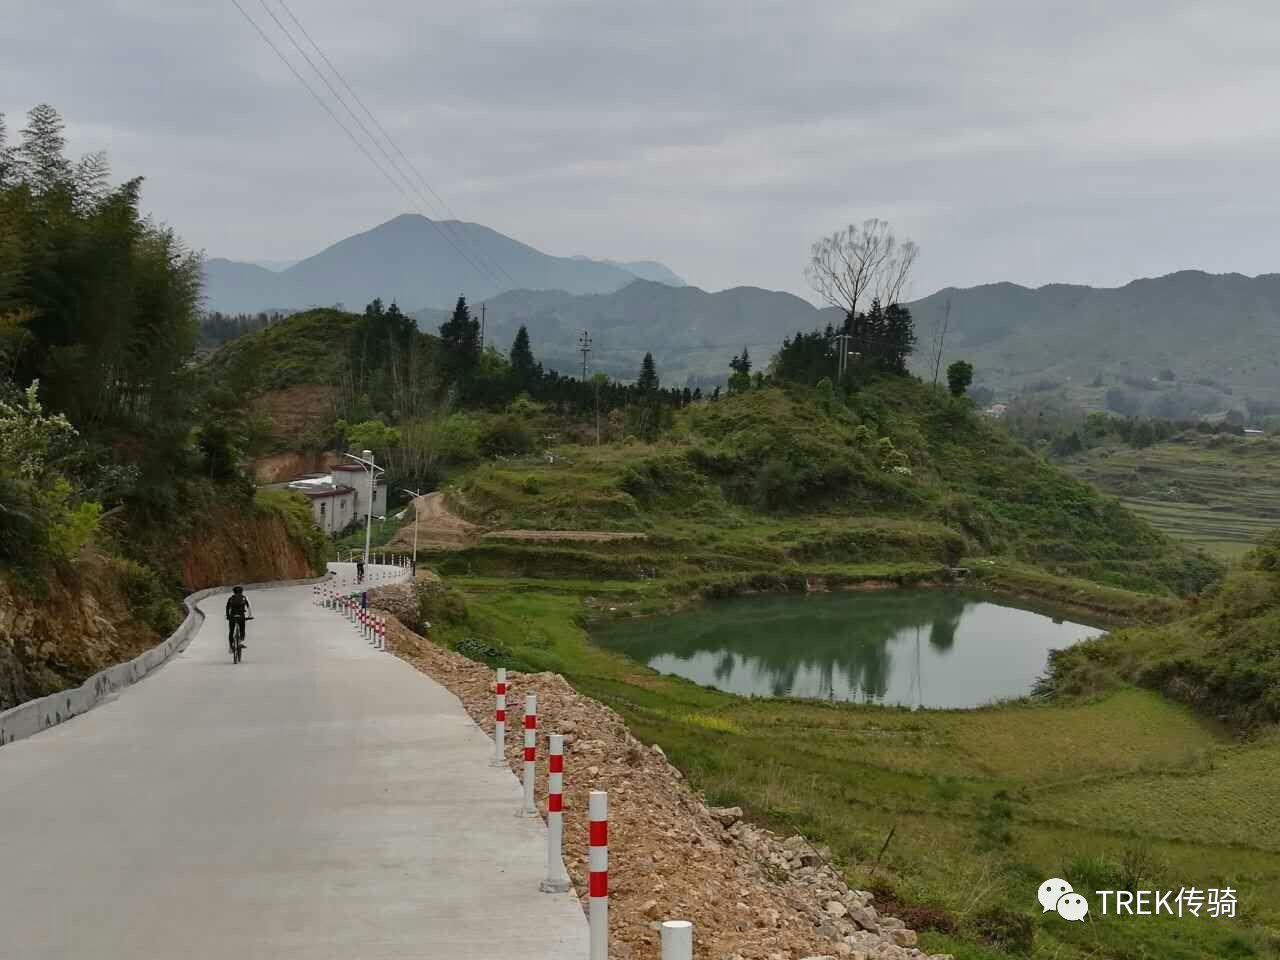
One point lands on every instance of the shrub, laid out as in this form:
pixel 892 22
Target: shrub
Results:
pixel 506 436
pixel 440 604
pixel 1014 932
pixel 149 601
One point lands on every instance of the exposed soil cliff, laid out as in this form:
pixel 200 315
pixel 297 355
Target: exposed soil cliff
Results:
pixel 242 547
pixel 80 624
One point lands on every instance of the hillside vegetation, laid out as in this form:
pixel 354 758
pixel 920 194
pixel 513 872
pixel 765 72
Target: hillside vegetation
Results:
pixel 781 478
pixel 1218 492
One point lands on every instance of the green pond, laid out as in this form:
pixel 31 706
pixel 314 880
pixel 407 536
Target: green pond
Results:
pixel 919 648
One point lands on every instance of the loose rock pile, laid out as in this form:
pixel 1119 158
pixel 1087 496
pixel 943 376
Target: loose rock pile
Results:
pixel 750 894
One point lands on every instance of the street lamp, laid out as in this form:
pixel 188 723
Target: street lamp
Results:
pixel 373 470
pixel 415 494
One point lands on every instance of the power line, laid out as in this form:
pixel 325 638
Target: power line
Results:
pixel 391 140
pixel 352 137
pixel 478 267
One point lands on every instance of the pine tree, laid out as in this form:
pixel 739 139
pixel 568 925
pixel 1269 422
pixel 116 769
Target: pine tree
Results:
pixel 648 380
pixel 524 368
pixel 741 364
pixel 460 339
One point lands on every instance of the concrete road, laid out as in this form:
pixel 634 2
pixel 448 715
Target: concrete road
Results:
pixel 320 800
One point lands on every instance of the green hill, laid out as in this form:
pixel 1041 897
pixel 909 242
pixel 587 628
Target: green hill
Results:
pixel 777 478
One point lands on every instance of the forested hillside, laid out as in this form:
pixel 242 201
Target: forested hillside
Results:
pixel 117 454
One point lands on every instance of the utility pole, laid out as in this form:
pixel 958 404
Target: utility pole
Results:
pixel 584 347
pixel 484 309
pixel 415 494
pixel 373 470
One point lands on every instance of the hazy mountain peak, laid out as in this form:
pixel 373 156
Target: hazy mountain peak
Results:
pixel 417 262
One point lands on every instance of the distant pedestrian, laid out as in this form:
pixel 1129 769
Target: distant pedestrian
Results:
pixel 413 567
pixel 359 569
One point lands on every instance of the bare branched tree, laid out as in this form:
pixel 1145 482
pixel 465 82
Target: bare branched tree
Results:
pixel 940 340
pixel 860 263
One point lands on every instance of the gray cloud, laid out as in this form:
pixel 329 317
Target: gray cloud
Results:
pixel 1087 142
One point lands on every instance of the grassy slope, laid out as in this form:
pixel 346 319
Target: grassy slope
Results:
pixel 985 803
pixel 1222 493
pixel 769 481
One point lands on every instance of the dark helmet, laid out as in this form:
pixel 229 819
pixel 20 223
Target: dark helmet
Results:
pixel 237 589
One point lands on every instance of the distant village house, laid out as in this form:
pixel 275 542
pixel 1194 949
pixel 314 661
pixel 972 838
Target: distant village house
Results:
pixel 340 497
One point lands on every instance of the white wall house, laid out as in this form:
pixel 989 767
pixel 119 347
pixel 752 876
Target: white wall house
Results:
pixel 339 498
pixel 354 476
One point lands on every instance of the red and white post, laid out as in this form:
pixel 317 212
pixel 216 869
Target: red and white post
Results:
pixel 500 721
pixel 557 880
pixel 677 940
pixel 598 877
pixel 382 633
pixel 528 808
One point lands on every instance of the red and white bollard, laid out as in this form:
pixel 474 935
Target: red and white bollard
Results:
pixel 382 633
pixel 598 877
pixel 557 880
pixel 529 809
pixel 500 721
pixel 677 940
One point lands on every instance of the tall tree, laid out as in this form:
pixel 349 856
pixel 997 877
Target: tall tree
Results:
pixel 524 368
pixel 860 262
pixel 41 156
pixel 959 376
pixel 460 340
pixel 647 382
pixel 741 363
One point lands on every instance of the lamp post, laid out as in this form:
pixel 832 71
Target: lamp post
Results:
pixel 373 470
pixel 415 494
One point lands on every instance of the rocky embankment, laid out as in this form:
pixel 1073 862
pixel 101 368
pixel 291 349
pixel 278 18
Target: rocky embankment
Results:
pixel 54 638
pixel 751 894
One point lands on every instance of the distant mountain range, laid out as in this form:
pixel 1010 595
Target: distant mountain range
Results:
pixel 691 333
pixel 417 263
pixel 1215 333
pixel 1218 331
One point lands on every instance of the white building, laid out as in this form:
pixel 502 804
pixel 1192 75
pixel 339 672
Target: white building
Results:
pixel 339 497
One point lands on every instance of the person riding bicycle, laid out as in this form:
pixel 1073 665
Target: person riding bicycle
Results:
pixel 238 610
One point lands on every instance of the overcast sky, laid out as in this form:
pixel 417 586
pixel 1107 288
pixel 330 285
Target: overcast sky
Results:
pixel 1035 142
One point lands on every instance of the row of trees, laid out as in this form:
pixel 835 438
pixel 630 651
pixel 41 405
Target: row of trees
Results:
pixel 98 324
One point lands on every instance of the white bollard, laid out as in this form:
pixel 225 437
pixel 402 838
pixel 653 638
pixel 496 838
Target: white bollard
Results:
pixel 677 940
pixel 557 880
pixel 500 721
pixel 528 808
pixel 598 877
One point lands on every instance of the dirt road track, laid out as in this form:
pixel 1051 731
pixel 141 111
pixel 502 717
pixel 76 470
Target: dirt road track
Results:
pixel 438 527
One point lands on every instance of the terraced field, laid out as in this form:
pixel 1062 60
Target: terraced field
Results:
pixel 1220 493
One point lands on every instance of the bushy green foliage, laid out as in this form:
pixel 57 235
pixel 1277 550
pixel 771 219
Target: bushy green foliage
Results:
pixel 440 604
pixel 151 601
pixel 1223 660
pixel 295 511
pixel 506 436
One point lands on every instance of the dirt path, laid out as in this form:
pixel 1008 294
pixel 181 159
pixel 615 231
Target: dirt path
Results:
pixel 438 527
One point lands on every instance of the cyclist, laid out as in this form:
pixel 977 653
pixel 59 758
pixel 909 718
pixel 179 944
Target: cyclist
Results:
pixel 238 610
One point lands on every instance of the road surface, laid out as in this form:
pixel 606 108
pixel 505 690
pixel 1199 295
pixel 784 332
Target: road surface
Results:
pixel 320 800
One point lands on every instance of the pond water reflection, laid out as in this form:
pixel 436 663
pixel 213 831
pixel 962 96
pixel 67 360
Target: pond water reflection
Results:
pixel 932 648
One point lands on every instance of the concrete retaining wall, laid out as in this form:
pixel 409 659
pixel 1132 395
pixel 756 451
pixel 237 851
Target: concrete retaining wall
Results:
pixel 31 717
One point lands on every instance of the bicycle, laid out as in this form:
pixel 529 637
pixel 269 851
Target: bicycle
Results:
pixel 237 638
